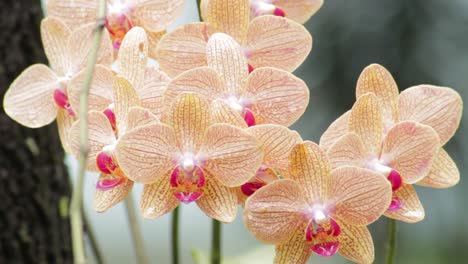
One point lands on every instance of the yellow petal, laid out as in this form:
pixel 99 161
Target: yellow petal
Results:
pixel 277 42
pixel 309 166
pixel 349 150
pixel 221 112
pixel 202 80
pixel 218 201
pixel 157 15
pixel 153 39
pixel 409 148
pixel 225 55
pixel 105 199
pixel 54 33
pixel 356 244
pixel 100 134
pixel 338 128
pixel 146 153
pixel 138 116
pixel 299 10
pixel 77 12
pixel 30 98
pixel 443 173
pixel 277 143
pixel 190 117
pixel 158 198
pixel 133 55
pixel 438 107
pixel 125 97
pixel 64 123
pixel 412 210
pixel 183 49
pixel 295 250
pixel 101 93
pixel 278 96
pixel 365 119
pixel 231 154
pixel 379 81
pixel 361 196
pixel 274 212
pixel 230 17
pixel 152 91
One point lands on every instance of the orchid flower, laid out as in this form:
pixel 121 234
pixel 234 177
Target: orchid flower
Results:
pixel 297 10
pixel 316 209
pixel 189 158
pixel 40 94
pixel 267 95
pixel 277 142
pixel 266 41
pixel 122 15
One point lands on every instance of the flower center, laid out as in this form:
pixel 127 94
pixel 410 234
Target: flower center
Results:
pixel 322 234
pixel 106 162
pixel 240 106
pixel 393 177
pixel 61 99
pixel 187 181
pixel 118 22
pixel 265 7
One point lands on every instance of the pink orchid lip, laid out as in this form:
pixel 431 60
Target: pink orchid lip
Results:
pixel 395 179
pixel 187 184
pixel 118 25
pixel 279 12
pixel 250 188
pixel 395 204
pixel 109 113
pixel 61 99
pixel 323 237
pixel 326 249
pixel 105 163
pixel 249 117
pixel 109 183
pixel 251 68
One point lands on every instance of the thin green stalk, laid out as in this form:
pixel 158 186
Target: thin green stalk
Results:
pixel 216 242
pixel 92 239
pixel 135 230
pixel 392 230
pixel 76 217
pixel 199 10
pixel 175 236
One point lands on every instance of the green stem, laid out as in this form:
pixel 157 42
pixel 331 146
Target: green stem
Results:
pixel 92 239
pixel 76 217
pixel 392 230
pixel 199 10
pixel 216 242
pixel 135 230
pixel 175 236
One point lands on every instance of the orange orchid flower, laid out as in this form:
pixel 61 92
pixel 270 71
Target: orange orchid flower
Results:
pixel 277 142
pixel 317 209
pixel 266 96
pixel 297 10
pixel 266 41
pixel 122 15
pixel 189 158
pixel 39 95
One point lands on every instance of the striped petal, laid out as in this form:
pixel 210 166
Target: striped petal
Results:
pixel 443 173
pixel 299 10
pixel 221 112
pixel 64 123
pixel 133 56
pixel 338 128
pixel 438 107
pixel 77 12
pixel 138 116
pixel 294 251
pixel 158 198
pixel 349 150
pixel 157 15
pixel 278 96
pixel 361 196
pixel 412 210
pixel 53 34
pixel 153 39
pixel 152 91
pixel 356 244
pixel 230 17
pixel 105 199
pixel 274 212
pixel 125 97
pixel 277 42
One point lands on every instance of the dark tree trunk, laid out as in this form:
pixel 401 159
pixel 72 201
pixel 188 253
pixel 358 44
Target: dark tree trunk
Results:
pixel 34 184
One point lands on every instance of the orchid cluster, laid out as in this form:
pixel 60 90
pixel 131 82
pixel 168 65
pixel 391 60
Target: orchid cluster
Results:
pixel 210 125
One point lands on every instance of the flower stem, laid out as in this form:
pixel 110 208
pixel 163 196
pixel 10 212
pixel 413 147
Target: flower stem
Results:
pixel 135 231
pixel 392 230
pixel 216 242
pixel 175 236
pixel 199 10
pixel 92 239
pixel 76 217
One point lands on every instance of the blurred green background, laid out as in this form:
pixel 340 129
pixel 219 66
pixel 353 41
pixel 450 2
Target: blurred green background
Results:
pixel 419 42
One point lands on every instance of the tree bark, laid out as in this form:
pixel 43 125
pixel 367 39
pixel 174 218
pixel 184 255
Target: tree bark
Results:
pixel 34 183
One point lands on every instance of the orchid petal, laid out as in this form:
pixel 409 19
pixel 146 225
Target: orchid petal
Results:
pixel 361 195
pixel 133 56
pixel 138 117
pixel 230 17
pixel 365 119
pixel 379 81
pixel 183 49
pixel 105 199
pixel 218 201
pixel 53 34
pixel 64 123
pixel 438 107
pixel 29 100
pixel 299 10
pixel 77 12
pixel 145 154
pixel 409 148
pixel 356 244
pixel 279 97
pixel 225 55
pixel 443 173
pixel 158 198
pixel 152 91
pixel 230 154
pixel 309 166
pixel 294 251
pixel 277 42
pixel 338 128
pixel 412 210
pixel 221 112
pixel 125 97
pixel 274 212
pixel 157 15
pixel 153 42
pixel 349 150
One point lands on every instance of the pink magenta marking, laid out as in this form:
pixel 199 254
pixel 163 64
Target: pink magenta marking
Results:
pixel 326 249
pixel 395 204
pixel 105 163
pixel 187 198
pixel 111 117
pixel 249 117
pixel 250 187
pixel 251 68
pixel 279 12
pixel 61 99
pixel 395 179
pixel 109 183
pixel 187 185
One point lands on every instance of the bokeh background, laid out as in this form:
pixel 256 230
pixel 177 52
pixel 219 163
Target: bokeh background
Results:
pixel 419 42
